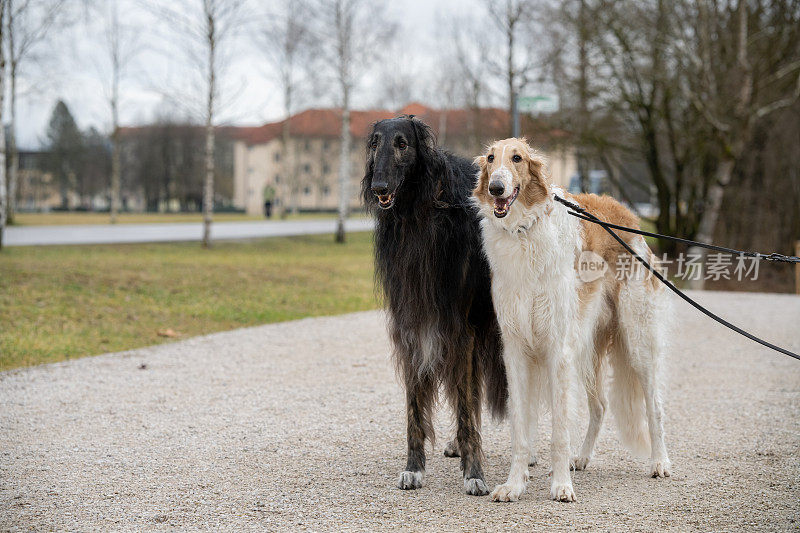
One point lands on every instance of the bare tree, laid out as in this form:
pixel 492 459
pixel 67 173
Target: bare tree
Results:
pixel 732 91
pixel 113 34
pixel 207 26
pixel 350 31
pixel 118 60
pixel 120 49
pixel 569 62
pixel 211 10
pixel 638 109
pixel 27 25
pixel 460 78
pixel 397 78
pixel 680 86
pixel 514 19
pixel 286 42
pixel 3 197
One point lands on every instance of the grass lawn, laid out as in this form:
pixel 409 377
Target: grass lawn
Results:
pixel 62 302
pixel 81 218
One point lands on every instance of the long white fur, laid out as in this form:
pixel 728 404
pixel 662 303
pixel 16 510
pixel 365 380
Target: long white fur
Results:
pixel 532 253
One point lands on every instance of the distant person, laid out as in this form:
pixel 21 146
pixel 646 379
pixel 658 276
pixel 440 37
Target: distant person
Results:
pixel 269 198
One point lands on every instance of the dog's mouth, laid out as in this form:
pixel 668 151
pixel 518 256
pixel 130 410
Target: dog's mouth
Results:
pixel 502 205
pixel 385 201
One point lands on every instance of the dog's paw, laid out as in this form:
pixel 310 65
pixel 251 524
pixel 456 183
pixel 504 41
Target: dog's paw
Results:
pixel 451 450
pixel 410 480
pixel 579 463
pixel 476 486
pixel 562 492
pixel 533 461
pixel 507 492
pixel 660 468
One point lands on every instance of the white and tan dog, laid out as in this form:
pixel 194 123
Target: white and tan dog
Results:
pixel 556 311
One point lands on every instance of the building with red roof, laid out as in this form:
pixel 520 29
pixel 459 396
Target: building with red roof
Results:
pixel 304 173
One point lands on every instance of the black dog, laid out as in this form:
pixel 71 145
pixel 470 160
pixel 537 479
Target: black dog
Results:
pixel 435 280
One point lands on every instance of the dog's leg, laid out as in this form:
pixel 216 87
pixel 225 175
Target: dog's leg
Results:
pixel 419 398
pixel 465 396
pixel 519 399
pixel 642 322
pixel 659 462
pixel 534 385
pixel 646 370
pixel 596 396
pixel 559 375
pixel 468 434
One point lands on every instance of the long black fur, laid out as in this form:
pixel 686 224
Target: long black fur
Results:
pixel 436 286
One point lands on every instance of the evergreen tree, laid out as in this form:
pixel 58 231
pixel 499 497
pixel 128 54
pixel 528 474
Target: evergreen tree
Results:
pixel 64 142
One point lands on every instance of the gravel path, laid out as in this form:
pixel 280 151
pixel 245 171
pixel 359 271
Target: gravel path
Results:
pixel 300 426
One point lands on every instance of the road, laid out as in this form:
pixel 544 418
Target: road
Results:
pixel 300 426
pixel 186 231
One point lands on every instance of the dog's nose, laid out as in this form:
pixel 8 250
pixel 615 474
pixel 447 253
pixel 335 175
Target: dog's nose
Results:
pixel 380 188
pixel 496 188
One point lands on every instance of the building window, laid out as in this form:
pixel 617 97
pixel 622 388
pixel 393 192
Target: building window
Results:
pixel 326 144
pixel 307 168
pixel 325 168
pixel 326 191
pixel 307 190
pixel 277 178
pixel 307 145
pixel 277 156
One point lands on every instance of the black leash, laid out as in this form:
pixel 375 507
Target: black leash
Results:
pixel 767 257
pixel 581 213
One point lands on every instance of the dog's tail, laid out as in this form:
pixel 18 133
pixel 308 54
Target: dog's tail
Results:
pixel 628 407
pixel 490 355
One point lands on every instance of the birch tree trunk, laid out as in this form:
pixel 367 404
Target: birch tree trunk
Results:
pixel 705 230
pixel 344 167
pixel 208 189
pixel 12 127
pixel 290 165
pixel 288 177
pixel 343 23
pixel 116 164
pixel 3 198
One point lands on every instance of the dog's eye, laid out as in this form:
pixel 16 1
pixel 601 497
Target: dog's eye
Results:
pixel 517 158
pixel 373 144
pixel 490 158
pixel 402 145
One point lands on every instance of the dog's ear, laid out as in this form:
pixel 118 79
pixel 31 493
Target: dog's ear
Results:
pixel 536 189
pixel 426 143
pixel 535 165
pixel 482 185
pixel 481 163
pixel 366 182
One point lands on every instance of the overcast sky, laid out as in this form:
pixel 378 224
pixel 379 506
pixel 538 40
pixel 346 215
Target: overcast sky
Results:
pixel 72 65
